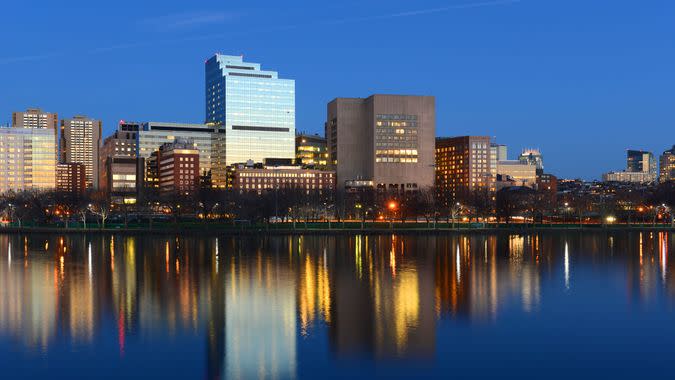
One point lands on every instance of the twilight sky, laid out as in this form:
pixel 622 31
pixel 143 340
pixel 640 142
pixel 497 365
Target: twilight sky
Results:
pixel 583 80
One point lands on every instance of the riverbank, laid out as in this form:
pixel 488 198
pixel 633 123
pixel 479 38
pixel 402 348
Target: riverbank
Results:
pixel 334 228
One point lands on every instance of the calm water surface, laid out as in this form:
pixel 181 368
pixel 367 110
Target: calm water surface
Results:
pixel 555 305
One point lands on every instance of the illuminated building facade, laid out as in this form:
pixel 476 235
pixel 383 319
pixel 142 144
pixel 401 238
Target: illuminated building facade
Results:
pixel 253 108
pixel 79 143
pixel 178 167
pixel 310 150
pixel 463 165
pixel 521 172
pixel 115 155
pixel 36 118
pixel 71 178
pixel 282 177
pixel 386 141
pixel 28 159
pixel 667 167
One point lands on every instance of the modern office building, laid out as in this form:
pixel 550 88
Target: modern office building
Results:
pixel 178 166
pixel 36 118
pixel 155 134
pixel 253 108
pixel 80 143
pixel 521 172
pixel 383 141
pixel 71 178
pixel 640 161
pixel 667 165
pixel 282 177
pixel 120 179
pixel 121 144
pixel 27 159
pixel 310 150
pixel 532 157
pixel 463 166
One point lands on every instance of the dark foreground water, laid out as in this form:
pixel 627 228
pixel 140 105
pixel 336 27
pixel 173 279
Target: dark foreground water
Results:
pixel 554 305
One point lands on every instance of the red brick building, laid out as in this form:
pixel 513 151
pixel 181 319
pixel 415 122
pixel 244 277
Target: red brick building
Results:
pixel 71 178
pixel 178 167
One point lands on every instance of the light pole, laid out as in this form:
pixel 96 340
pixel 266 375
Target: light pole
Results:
pixel 392 206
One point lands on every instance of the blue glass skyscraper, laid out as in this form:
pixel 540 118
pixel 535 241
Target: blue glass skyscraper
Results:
pixel 255 111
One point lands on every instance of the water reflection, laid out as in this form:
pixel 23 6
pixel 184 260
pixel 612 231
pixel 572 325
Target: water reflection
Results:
pixel 256 301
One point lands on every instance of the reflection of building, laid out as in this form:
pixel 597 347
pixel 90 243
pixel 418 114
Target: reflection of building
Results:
pixel 253 108
pixel 310 150
pixel 463 165
pixel 667 165
pixel 80 142
pixel 260 320
pixel 71 178
pixel 178 167
pixel 385 139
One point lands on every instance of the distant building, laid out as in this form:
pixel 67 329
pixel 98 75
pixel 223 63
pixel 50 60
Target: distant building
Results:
pixel 383 141
pixel 253 109
pixel 178 166
pixel 310 150
pixel 640 161
pixel 71 178
pixel 498 152
pixel 532 157
pixel 79 143
pixel 625 176
pixel 259 179
pixel 667 165
pixel 29 159
pixel 640 168
pixel 523 173
pixel 463 166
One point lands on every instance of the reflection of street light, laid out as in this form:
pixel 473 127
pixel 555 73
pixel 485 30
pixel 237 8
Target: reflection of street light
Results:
pixel 610 219
pixel 392 205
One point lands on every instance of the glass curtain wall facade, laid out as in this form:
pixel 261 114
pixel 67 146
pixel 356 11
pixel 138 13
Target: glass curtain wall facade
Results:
pixel 153 135
pixel 255 110
pixel 27 159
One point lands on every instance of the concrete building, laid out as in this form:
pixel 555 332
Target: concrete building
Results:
pixel 178 166
pixel 120 179
pixel 282 177
pixel 521 172
pixel 310 150
pixel 27 159
pixel 463 166
pixel 383 141
pixel 71 178
pixel 667 165
pixel 36 118
pixel 254 110
pixel 121 144
pixel 80 143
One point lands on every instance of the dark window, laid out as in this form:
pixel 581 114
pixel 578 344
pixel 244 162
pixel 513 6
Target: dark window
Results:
pixel 250 75
pixel 239 67
pixel 260 129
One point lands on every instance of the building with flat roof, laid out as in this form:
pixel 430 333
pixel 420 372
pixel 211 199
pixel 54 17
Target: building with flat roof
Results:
pixel 640 161
pixel 178 167
pixel 310 150
pixel 254 108
pixel 521 172
pixel 28 159
pixel 267 178
pixel 155 134
pixel 121 144
pixel 36 118
pixel 80 142
pixel 667 165
pixel 120 178
pixel 626 176
pixel 463 166
pixel 384 141
pixel 71 178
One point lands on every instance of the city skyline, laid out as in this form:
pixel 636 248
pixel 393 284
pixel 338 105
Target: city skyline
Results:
pixel 532 84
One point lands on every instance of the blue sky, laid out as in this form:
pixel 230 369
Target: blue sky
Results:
pixel 582 80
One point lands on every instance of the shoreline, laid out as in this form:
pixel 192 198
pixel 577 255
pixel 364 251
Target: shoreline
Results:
pixel 300 230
